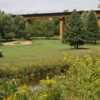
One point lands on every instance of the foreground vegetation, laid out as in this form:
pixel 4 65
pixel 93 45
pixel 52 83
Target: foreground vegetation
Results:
pixel 79 82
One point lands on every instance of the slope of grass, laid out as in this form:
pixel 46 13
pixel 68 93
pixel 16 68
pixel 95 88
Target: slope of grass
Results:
pixel 41 52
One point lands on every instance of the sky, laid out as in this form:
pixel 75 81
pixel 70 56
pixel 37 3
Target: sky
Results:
pixel 42 6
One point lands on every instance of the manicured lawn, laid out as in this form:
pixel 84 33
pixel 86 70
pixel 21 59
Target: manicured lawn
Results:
pixel 41 52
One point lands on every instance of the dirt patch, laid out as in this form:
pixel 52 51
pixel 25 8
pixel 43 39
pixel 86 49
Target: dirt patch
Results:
pixel 25 42
pixel 19 42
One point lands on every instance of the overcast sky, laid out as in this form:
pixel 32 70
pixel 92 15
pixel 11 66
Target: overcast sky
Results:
pixel 40 6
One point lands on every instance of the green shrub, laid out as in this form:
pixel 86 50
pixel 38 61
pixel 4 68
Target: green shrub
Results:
pixel 1 54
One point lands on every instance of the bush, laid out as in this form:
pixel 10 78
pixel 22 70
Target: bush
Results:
pixel 1 54
pixel 44 28
pixel 9 36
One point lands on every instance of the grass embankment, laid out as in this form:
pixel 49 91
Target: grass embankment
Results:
pixel 41 52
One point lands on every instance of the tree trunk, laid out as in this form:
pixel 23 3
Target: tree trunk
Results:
pixel 95 42
pixel 76 46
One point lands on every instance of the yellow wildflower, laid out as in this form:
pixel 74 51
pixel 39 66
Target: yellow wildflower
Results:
pixel 65 57
pixel 8 98
pixel 23 88
pixel 44 94
pixel 48 81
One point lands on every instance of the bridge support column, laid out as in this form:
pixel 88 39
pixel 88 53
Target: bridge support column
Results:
pixel 61 27
pixel 98 22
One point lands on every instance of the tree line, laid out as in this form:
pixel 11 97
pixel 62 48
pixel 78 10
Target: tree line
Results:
pixel 16 27
pixel 81 28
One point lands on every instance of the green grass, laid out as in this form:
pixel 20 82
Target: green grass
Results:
pixel 41 52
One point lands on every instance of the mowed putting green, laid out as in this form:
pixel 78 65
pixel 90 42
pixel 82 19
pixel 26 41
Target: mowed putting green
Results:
pixel 41 52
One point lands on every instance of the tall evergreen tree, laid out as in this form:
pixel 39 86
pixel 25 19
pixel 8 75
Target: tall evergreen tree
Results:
pixel 6 25
pixel 20 26
pixel 84 20
pixel 92 27
pixel 73 30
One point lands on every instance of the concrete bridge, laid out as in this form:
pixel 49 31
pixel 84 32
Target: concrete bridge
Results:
pixel 59 15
